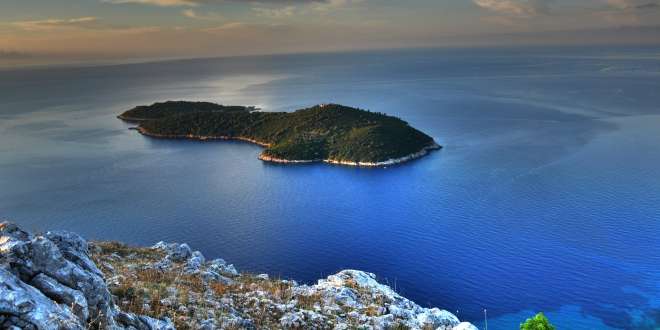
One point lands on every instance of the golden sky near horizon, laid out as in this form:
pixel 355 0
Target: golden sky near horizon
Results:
pixel 125 29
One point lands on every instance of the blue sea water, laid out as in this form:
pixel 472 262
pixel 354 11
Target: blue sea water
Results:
pixel 545 197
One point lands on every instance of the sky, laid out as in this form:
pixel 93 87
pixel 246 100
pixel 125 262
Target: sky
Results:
pixel 50 30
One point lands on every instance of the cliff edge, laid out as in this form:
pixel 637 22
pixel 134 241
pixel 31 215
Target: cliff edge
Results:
pixel 60 281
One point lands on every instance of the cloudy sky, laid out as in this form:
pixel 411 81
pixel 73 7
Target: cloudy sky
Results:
pixel 123 29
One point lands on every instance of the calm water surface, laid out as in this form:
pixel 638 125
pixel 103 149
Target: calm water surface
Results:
pixel 545 197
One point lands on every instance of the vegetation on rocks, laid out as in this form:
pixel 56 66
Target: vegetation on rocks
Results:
pixel 171 281
pixel 60 281
pixel 538 322
pixel 323 132
pixel 164 109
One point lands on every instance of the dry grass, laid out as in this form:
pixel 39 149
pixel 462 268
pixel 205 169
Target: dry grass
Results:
pixel 371 310
pixel 309 301
pixel 399 326
pixel 148 291
pixel 351 283
pixel 123 250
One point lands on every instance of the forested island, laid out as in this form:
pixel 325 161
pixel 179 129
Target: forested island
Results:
pixel 330 133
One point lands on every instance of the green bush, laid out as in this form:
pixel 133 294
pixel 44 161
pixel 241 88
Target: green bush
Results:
pixel 538 322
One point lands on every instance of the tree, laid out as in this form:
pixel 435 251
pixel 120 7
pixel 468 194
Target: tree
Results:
pixel 538 322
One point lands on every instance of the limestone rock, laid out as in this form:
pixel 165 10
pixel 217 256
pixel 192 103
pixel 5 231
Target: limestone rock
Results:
pixel 74 299
pixel 29 308
pixel 49 282
pixel 465 326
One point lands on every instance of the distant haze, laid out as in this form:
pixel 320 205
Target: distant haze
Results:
pixel 36 31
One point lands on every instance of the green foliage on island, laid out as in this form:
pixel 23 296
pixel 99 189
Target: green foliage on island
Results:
pixel 321 132
pixel 538 322
pixel 169 108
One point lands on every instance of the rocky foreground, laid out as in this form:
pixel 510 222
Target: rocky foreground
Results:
pixel 57 280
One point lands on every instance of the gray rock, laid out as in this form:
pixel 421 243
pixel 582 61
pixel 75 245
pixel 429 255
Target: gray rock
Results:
pixel 465 326
pixel 383 322
pixel 208 324
pixel 217 262
pixel 263 277
pixel 163 264
pixel 74 299
pixel 49 282
pixel 154 324
pixel 211 276
pixel 345 296
pixel 437 318
pixel 30 307
pixel 160 246
pixel 292 320
pixel 74 248
pixel 235 322
pixel 199 256
pixel 220 266
pixel 181 252
pixel 174 251
pixel 194 263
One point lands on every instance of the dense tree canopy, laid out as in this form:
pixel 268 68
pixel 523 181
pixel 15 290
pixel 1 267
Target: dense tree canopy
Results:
pixel 321 132
pixel 169 108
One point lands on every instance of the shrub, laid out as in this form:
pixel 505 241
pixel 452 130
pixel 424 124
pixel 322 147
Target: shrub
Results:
pixel 538 322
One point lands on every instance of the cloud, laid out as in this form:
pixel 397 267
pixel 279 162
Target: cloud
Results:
pixel 630 12
pixel 631 5
pixel 194 3
pixel 191 13
pixel 226 27
pixel 275 12
pixel 333 4
pixel 515 8
pixel 160 3
pixel 49 24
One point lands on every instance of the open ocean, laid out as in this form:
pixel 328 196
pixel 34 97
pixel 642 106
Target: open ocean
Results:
pixel 545 197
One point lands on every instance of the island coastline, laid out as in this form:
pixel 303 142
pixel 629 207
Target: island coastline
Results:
pixel 390 162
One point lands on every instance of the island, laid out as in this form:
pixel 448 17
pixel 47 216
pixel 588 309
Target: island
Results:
pixel 330 133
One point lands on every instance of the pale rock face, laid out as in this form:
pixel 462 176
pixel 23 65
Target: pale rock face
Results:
pixel 264 277
pixel 465 326
pixel 181 252
pixel 214 270
pixel 31 308
pixel 209 275
pixel 437 319
pixel 71 298
pixel 302 319
pixel 356 289
pixel 74 248
pixel 220 266
pixel 174 251
pixel 194 263
pixel 49 282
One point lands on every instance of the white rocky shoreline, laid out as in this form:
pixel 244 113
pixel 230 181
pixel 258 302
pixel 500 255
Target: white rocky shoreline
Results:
pixel 390 162
pixel 145 132
pixel 57 280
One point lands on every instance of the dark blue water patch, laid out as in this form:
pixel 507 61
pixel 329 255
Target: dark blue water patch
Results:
pixel 544 197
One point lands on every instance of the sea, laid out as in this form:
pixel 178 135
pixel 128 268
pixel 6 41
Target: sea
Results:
pixel 544 198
